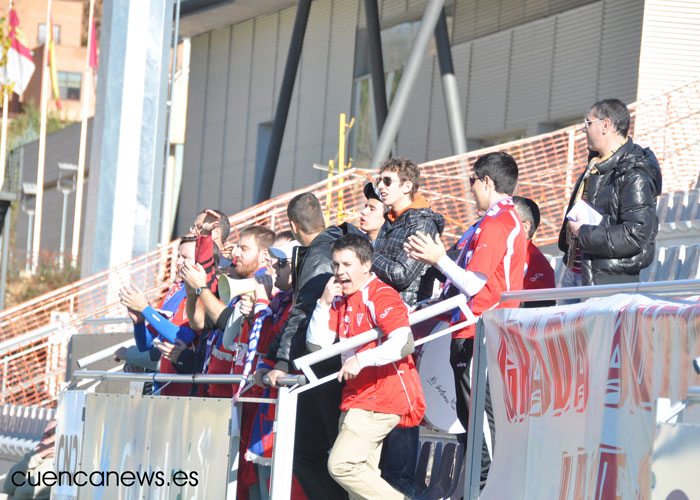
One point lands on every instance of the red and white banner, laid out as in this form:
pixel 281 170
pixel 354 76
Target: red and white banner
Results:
pixel 573 390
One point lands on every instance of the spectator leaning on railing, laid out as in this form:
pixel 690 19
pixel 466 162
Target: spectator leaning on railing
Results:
pixel 317 410
pixel 621 182
pixel 382 388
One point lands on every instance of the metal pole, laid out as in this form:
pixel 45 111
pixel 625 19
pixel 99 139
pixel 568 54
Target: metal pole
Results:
pixel 30 223
pixel 267 176
pixel 449 87
pixel 5 254
pixel 475 432
pixel 376 64
pixel 403 93
pixel 283 447
pixel 41 162
pixel 63 230
pixel 166 199
pixel 87 86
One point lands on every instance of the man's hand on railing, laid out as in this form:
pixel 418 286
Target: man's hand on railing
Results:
pixel 120 354
pixel 350 369
pixel 171 351
pixel 273 375
pixel 258 377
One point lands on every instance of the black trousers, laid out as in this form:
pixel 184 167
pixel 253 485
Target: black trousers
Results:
pixel 318 414
pixel 461 353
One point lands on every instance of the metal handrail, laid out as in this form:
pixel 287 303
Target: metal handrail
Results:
pixel 104 353
pixel 673 288
pixel 105 321
pixel 12 344
pixel 197 378
pixel 370 335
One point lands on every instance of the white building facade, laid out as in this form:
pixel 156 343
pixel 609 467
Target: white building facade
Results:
pixel 523 67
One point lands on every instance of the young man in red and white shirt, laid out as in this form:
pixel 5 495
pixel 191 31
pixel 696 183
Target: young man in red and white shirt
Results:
pixel 492 261
pixel 382 388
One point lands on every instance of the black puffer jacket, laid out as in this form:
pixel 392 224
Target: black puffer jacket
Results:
pixel 625 194
pixel 312 267
pixel 391 264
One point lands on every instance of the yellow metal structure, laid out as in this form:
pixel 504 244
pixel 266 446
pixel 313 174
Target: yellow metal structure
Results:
pixel 343 130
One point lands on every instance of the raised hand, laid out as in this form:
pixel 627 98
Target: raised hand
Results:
pixel 332 290
pixel 133 298
pixel 194 275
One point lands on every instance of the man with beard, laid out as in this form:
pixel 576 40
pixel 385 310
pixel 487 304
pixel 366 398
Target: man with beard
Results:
pixel 205 310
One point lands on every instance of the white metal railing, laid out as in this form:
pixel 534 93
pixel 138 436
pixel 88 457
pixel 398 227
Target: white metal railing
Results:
pixel 16 342
pixel 304 363
pixel 661 288
pixel 103 354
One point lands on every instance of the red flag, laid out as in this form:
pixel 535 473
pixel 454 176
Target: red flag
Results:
pixel 93 46
pixel 19 66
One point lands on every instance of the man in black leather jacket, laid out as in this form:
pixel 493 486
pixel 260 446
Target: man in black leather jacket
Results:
pixel 622 182
pixel 318 410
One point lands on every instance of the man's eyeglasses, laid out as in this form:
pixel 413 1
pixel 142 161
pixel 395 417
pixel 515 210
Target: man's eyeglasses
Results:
pixel 386 181
pixel 473 179
pixel 280 264
pixel 587 122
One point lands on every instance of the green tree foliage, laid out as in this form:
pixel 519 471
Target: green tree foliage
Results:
pixel 24 128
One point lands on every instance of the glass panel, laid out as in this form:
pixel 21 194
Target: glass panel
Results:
pixel 41 33
pixel 69 85
pixel 362 137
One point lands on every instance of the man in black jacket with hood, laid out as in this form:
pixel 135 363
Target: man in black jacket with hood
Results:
pixel 318 411
pixel 621 182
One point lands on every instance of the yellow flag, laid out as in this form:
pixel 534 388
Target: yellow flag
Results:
pixel 52 65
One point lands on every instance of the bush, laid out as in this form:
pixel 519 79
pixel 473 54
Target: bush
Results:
pixel 49 276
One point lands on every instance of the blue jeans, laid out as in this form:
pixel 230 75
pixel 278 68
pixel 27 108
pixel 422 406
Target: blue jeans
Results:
pixel 400 458
pixel 569 279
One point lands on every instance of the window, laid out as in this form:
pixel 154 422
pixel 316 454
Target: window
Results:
pixel 41 33
pixel 397 43
pixel 69 85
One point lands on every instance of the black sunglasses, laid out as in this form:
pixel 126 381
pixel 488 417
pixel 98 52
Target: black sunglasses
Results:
pixel 386 181
pixel 473 179
pixel 281 263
